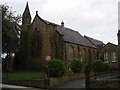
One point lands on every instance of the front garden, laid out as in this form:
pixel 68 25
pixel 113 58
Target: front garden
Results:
pixel 54 74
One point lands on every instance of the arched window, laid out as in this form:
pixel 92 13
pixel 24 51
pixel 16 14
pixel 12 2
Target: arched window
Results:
pixel 79 53
pixel 36 47
pixel 89 53
pixel 93 55
pixel 114 57
pixel 70 52
pixel 85 54
pixel 106 57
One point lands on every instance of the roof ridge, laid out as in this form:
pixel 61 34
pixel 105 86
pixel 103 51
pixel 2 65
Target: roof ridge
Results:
pixel 111 43
pixel 60 25
pixel 93 38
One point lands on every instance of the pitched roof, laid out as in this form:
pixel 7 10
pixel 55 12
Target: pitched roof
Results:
pixel 73 37
pixel 109 43
pixel 95 42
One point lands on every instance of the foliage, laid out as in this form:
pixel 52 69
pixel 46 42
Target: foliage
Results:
pixel 106 66
pixel 76 65
pixel 10 30
pixel 99 66
pixel 56 68
pixel 23 74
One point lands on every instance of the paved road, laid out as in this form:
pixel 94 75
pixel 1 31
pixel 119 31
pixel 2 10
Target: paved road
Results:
pixel 72 84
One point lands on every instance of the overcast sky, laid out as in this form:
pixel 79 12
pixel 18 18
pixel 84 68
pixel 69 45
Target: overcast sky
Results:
pixel 94 18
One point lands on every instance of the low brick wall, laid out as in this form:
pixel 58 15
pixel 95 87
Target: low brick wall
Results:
pixel 40 82
pixel 59 80
pixel 25 82
pixel 110 83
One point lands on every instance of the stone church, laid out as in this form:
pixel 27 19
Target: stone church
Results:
pixel 41 38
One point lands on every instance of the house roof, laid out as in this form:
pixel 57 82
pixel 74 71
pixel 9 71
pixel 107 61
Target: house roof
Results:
pixel 109 43
pixel 95 42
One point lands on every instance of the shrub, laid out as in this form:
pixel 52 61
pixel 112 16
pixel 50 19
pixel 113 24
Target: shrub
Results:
pixel 56 68
pixel 106 66
pixel 76 65
pixel 97 66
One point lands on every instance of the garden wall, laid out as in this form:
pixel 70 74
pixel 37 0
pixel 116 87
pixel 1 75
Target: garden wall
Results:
pixel 40 82
pixel 25 82
pixel 110 83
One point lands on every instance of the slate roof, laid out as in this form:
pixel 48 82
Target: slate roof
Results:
pixel 94 41
pixel 73 37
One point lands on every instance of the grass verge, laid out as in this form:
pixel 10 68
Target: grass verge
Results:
pixel 23 74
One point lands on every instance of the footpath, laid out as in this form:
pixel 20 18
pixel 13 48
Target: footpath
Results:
pixel 14 87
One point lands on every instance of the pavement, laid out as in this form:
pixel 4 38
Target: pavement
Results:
pixel 14 87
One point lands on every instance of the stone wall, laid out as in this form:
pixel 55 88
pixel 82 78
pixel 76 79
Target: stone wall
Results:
pixel 40 83
pixel 111 83
pixel 25 82
pixel 82 52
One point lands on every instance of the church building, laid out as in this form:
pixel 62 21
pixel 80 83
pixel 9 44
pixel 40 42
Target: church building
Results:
pixel 41 38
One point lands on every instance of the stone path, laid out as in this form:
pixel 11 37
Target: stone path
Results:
pixel 72 84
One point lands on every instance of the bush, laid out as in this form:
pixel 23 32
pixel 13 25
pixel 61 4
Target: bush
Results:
pixel 99 66
pixel 76 65
pixel 56 68
pixel 106 67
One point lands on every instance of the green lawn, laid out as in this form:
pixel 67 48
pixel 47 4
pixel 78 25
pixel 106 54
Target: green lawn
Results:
pixel 20 74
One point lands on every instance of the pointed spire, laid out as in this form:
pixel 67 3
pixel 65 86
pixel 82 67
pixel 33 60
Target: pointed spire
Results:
pixel 27 9
pixel 26 18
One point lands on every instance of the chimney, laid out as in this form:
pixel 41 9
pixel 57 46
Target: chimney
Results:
pixel 62 23
pixel 36 12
